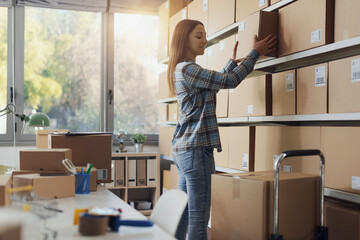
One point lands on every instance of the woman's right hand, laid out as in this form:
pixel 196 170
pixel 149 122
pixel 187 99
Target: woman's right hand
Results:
pixel 265 46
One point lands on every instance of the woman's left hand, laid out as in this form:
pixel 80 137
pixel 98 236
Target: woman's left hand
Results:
pixel 234 54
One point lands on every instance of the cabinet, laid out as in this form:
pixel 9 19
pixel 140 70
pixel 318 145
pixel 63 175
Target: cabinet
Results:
pixel 323 54
pixel 136 177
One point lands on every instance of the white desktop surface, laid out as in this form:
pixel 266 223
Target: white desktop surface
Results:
pixel 63 222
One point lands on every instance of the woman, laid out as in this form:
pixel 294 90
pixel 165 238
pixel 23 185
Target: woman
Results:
pixel 196 133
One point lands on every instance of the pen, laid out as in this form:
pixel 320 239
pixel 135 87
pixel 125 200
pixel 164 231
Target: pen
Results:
pixel 89 169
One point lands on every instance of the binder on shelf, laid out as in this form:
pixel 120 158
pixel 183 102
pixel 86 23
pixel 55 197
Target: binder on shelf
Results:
pixel 151 172
pixel 132 173
pixel 141 172
pixel 119 173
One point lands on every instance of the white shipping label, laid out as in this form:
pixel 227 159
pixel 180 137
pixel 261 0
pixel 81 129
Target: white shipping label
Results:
pixel 167 4
pixel 245 160
pixel 320 76
pixel 205 5
pixel 232 90
pixel 102 174
pixel 249 109
pixel 262 3
pixel 242 26
pixel 289 82
pixel 184 14
pixel 355 183
pixel 287 168
pixel 222 45
pixel 316 36
pixel 355 70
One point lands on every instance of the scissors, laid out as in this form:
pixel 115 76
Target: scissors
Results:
pixel 69 165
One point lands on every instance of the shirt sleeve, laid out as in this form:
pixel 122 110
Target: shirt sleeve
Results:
pixel 198 77
pixel 230 65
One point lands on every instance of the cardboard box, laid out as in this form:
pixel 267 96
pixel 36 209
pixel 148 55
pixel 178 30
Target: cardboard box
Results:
pixel 92 148
pixel 220 53
pixel 298 33
pixel 221 15
pixel 284 93
pixel 242 148
pixel 47 186
pixel 10 231
pixel 346 19
pixel 344 85
pixel 163 37
pixel 164 91
pixel 341 150
pixel 165 138
pixel 174 176
pixel 166 180
pixel 163 112
pixel 174 20
pixel 222 158
pixel 245 8
pixel 173 112
pixel 251 98
pixel 42 137
pixel 261 24
pixel 342 219
pixel 176 5
pixel 198 10
pixel 222 100
pixel 242 205
pixel 312 85
pixel 5 183
pixel 44 159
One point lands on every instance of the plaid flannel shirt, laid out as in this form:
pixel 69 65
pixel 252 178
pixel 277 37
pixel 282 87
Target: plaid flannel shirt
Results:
pixel 195 90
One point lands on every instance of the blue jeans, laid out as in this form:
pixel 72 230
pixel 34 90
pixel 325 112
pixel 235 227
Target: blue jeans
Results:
pixel 195 168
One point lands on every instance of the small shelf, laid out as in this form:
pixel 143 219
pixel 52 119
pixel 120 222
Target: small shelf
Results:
pixel 350 197
pixel 278 5
pixel 166 123
pixel 228 170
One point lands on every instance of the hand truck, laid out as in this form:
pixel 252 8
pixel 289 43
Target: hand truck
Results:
pixel 321 231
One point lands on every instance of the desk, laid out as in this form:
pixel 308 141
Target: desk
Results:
pixel 63 222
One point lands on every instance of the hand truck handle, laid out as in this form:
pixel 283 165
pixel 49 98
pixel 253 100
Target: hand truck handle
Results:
pixel 278 160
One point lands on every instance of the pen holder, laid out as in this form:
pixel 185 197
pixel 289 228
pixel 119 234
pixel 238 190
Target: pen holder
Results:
pixel 82 183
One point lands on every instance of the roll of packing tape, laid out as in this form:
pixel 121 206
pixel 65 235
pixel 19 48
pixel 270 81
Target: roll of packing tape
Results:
pixel 90 225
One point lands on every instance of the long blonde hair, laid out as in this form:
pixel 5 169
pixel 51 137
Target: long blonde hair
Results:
pixel 178 48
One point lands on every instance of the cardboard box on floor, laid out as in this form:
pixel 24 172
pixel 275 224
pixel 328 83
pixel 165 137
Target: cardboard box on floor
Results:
pixel 91 148
pixel 245 8
pixel 342 219
pixel 251 98
pixel 344 85
pixel 298 33
pixel 242 205
pixel 42 137
pixel 221 15
pixel 47 186
pixel 346 19
pixel 284 93
pixel 5 183
pixel 340 146
pixel 44 159
pixel 312 93
pixel 261 24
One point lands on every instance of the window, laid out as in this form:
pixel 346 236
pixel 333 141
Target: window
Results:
pixel 135 73
pixel 62 67
pixel 3 65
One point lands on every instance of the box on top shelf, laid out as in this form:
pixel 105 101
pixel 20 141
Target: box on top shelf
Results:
pixel 198 10
pixel 284 93
pixel 5 183
pixel 242 205
pixel 47 186
pixel 87 148
pixel 42 137
pixel 242 148
pixel 340 146
pixel 344 85
pixel 44 159
pixel 174 20
pixel 312 89
pixel 222 158
pixel 261 24
pixel 164 91
pixel 347 18
pixel 302 27
pixel 251 98
pixel 245 8
pixel 163 36
pixel 221 15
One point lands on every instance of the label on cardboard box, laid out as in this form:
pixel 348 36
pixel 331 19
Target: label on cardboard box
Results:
pixel 222 45
pixel 175 116
pixel 250 109
pixel 262 3
pixel 287 168
pixel 245 161
pixel 355 183
pixel 184 14
pixel 289 82
pixel 205 5
pixel 355 70
pixel 232 90
pixel 102 174
pixel 320 76
pixel 316 36
pixel 242 26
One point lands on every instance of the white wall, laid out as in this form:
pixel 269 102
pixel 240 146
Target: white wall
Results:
pixel 9 156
